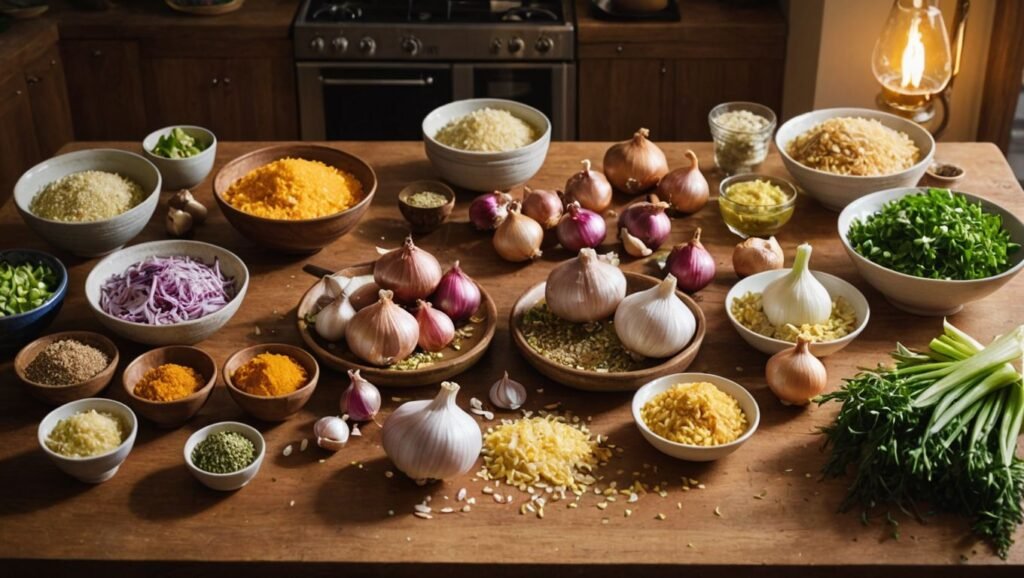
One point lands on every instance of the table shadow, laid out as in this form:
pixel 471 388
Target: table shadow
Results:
pixel 152 499
pixel 33 483
pixel 398 493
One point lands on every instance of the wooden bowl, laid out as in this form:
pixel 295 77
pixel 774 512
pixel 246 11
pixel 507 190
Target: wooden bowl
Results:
pixel 276 408
pixel 206 10
pixel 422 219
pixel 61 394
pixel 338 356
pixel 610 381
pixel 303 235
pixel 176 412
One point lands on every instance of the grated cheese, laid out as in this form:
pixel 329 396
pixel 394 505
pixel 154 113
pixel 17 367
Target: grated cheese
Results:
pixel 487 130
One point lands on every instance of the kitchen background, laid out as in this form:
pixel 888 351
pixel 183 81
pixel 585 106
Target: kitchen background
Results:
pixel 371 69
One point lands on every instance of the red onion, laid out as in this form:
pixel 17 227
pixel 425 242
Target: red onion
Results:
pixel 457 294
pixel 589 188
pixel 361 401
pixel 647 222
pixel 436 328
pixel 580 228
pixel 692 265
pixel 545 207
pixel 487 211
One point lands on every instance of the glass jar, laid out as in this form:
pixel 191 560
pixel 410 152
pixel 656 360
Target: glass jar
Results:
pixel 739 147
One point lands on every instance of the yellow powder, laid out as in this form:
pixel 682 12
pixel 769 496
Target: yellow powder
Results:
pixel 293 189
pixel 697 414
pixel 270 375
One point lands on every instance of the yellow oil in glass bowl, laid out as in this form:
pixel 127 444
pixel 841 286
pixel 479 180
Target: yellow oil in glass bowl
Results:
pixel 756 220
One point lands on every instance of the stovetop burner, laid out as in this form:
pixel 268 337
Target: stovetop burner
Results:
pixel 467 11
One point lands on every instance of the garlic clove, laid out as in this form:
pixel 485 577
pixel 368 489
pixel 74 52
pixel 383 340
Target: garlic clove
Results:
pixel 331 433
pixel 183 200
pixel 584 289
pixel 361 400
pixel 179 223
pixel 508 394
pixel 654 323
pixel 633 246
pixel 795 375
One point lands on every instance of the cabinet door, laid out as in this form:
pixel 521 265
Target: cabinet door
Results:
pixel 183 91
pixel 17 139
pixel 619 95
pixel 105 88
pixel 51 113
pixel 700 85
pixel 257 100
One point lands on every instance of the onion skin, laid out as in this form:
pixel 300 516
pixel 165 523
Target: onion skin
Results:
pixel 692 265
pixel 581 228
pixel 794 375
pixel 542 206
pixel 636 165
pixel 647 222
pixel 589 188
pixel 488 211
pixel 457 295
pixel 685 188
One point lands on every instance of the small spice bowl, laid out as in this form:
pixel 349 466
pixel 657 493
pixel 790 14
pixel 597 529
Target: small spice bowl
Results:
pixel 275 408
pixel 175 412
pixel 756 220
pixel 93 469
pixel 61 394
pixel 692 453
pixel 234 480
pixel 945 172
pixel 423 219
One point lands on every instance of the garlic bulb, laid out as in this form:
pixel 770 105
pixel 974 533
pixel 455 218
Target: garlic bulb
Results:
pixel 508 394
pixel 797 297
pixel 330 322
pixel 432 439
pixel 331 433
pixel 794 375
pixel 654 322
pixel 755 255
pixel 410 272
pixel 436 328
pixel 584 289
pixel 382 333
pixel 361 401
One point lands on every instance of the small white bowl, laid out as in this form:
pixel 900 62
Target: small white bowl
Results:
pixel 183 173
pixel 486 171
pixel 93 238
pixel 919 295
pixel 94 469
pixel 836 288
pixel 688 452
pixel 234 480
pixel 184 333
pixel 836 191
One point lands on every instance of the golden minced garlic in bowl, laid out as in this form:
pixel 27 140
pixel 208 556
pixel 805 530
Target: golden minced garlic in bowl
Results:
pixel 696 414
pixel 487 130
pixel 749 312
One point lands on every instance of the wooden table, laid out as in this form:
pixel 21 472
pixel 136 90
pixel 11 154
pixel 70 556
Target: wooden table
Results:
pixel 314 512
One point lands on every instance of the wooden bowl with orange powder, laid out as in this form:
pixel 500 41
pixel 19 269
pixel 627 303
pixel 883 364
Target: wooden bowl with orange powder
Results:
pixel 271 381
pixel 169 385
pixel 295 198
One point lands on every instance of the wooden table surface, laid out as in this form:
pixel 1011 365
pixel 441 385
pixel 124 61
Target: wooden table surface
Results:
pixel 315 510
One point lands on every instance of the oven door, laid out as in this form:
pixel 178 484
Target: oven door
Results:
pixel 369 101
pixel 550 88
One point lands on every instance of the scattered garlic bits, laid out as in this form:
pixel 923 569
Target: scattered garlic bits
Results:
pixel 749 312
pixel 86 434
pixel 86 196
pixel 487 130
pixel 854 146
pixel 544 451
pixel 294 189
pixel 697 414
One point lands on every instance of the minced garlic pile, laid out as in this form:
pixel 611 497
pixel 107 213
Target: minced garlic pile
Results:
pixel 749 311
pixel 487 130
pixel 697 414
pixel 294 189
pixel 86 434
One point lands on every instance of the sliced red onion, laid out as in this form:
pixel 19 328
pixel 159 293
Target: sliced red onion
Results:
pixel 487 211
pixel 457 294
pixel 166 290
pixel 580 228
pixel 647 222
pixel 692 264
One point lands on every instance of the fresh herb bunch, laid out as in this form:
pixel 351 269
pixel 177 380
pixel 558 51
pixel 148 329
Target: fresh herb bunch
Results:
pixel 936 234
pixel 938 427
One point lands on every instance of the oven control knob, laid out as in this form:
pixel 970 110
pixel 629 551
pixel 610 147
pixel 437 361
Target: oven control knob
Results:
pixel 317 44
pixel 496 45
pixel 516 45
pixel 367 45
pixel 411 45
pixel 340 44
pixel 545 44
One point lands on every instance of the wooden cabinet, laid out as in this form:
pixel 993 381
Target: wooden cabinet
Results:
pixel 104 80
pixel 618 96
pixel 48 95
pixel 700 85
pixel 17 143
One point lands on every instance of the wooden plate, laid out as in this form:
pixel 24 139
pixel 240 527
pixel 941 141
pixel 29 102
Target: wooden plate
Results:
pixel 610 381
pixel 338 356
pixel 211 10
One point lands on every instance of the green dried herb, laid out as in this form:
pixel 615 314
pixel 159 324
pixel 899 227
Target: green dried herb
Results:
pixel 586 346
pixel 224 452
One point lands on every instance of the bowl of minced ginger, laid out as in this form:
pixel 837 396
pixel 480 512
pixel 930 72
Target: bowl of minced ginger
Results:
pixel 295 198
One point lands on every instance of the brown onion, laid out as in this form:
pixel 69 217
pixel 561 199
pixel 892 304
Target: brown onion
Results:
pixel 518 237
pixel 542 206
pixel 589 188
pixel 635 165
pixel 685 188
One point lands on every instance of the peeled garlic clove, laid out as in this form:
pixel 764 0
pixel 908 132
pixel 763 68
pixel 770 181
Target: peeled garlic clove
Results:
pixel 584 289
pixel 331 433
pixel 654 322
pixel 633 246
pixel 508 394
pixel 436 328
pixel 795 375
pixel 179 223
pixel 383 333
pixel 756 255
pixel 361 401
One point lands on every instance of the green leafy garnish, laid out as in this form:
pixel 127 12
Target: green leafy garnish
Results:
pixel 936 234
pixel 178 144
pixel 25 287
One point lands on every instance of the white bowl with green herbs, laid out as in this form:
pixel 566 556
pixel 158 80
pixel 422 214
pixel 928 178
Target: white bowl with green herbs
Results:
pixel 184 154
pixel 963 259
pixel 249 458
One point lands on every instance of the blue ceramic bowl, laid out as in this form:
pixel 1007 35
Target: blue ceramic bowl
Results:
pixel 16 330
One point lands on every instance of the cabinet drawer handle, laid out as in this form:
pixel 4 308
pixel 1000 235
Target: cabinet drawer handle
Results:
pixel 32 79
pixel 53 62
pixel 17 92
pixel 97 53
pixel 214 81
pixel 227 80
pixel 664 69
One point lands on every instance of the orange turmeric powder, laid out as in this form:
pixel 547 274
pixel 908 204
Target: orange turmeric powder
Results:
pixel 168 382
pixel 270 375
pixel 294 189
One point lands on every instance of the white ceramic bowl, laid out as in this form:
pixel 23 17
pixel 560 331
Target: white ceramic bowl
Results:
pixel 92 238
pixel 187 332
pixel 234 480
pixel 836 191
pixel 94 469
pixel 486 171
pixel 836 288
pixel 685 451
pixel 919 295
pixel 182 173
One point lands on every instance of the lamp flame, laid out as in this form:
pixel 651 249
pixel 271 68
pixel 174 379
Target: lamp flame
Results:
pixel 913 57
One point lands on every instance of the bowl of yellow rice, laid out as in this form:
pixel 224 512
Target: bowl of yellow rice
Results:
pixel 295 198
